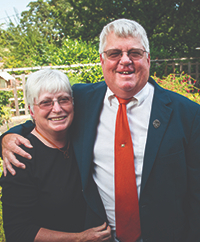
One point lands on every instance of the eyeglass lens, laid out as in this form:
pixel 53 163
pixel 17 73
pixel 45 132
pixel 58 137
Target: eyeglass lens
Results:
pixel 132 53
pixel 64 101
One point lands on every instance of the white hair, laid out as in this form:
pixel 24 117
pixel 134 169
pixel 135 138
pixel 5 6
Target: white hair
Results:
pixel 124 28
pixel 46 80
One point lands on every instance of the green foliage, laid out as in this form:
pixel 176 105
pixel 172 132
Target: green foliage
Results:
pixel 4 97
pixel 27 48
pixel 43 54
pixel 21 102
pixel 6 105
pixel 184 85
pixel 75 51
pixel 6 116
pixel 86 75
pixel 169 24
pixel 4 100
pixel 42 34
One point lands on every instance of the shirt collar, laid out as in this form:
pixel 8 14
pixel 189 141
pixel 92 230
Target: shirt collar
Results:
pixel 138 98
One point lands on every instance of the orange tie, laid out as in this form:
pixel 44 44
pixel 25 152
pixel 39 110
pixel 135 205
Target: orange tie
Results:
pixel 126 197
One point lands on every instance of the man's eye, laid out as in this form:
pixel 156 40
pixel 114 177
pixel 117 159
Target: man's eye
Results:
pixel 114 54
pixel 135 53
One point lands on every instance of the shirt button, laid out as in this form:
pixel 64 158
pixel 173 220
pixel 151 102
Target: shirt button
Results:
pixel 122 145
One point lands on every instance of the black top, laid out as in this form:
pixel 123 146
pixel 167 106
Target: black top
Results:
pixel 46 194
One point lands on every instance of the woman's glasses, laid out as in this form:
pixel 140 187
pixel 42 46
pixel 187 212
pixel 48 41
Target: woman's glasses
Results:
pixel 116 54
pixel 49 103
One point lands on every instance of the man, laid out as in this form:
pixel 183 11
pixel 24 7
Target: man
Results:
pixel 165 134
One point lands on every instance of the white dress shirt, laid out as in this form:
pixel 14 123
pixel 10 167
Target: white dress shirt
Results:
pixel 138 113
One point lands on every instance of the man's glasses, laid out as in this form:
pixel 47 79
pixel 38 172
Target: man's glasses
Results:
pixel 116 54
pixel 49 103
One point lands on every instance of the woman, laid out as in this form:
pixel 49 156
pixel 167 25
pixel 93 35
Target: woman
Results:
pixel 44 202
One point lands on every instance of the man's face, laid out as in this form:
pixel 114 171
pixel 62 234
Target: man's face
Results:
pixel 125 77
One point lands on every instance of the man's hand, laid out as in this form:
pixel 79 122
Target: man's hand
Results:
pixel 97 234
pixel 10 145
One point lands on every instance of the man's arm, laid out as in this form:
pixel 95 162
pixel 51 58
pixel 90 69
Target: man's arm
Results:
pixel 10 142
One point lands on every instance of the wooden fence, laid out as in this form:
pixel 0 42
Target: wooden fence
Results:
pixel 17 110
pixel 191 66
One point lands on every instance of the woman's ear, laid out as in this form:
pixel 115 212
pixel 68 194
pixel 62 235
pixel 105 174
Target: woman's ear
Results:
pixel 31 112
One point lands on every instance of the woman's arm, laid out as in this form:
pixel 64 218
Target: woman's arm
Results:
pixel 97 234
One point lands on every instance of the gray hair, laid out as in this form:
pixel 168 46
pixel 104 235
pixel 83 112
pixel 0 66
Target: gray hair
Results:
pixel 124 28
pixel 46 80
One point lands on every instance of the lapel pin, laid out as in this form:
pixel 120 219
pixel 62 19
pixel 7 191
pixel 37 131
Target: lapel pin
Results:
pixel 156 123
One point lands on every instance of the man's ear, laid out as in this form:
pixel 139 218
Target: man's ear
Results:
pixel 149 59
pixel 101 59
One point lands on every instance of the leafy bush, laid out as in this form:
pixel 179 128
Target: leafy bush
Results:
pixel 75 51
pixel 6 116
pixel 70 52
pixel 183 84
pixel 6 105
pixel 90 74
pixel 4 101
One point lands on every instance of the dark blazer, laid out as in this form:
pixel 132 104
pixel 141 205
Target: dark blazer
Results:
pixel 170 190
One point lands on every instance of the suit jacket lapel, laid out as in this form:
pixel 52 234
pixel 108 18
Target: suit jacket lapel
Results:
pixel 95 97
pixel 87 119
pixel 160 115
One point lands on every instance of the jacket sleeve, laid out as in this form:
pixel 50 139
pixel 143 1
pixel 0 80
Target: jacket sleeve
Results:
pixel 193 171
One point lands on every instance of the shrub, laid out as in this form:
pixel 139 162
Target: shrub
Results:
pixel 4 101
pixel 183 84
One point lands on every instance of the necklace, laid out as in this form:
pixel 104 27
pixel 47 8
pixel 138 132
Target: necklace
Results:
pixel 65 152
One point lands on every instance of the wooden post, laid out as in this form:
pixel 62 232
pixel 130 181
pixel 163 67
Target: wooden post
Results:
pixel 15 96
pixel 23 85
pixel 197 72
pixel 166 70
pixel 173 67
pixel 189 68
pixel 181 68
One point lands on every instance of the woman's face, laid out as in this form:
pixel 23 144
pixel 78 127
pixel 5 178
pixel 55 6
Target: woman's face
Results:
pixel 53 112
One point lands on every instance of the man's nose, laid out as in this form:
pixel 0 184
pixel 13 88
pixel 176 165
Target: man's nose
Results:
pixel 125 60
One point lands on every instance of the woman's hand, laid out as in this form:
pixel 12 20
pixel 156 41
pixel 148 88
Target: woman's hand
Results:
pixel 10 145
pixel 97 234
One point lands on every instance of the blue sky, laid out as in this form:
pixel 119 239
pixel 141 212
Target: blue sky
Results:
pixel 7 9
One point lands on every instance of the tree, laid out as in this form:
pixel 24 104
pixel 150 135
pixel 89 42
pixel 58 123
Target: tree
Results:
pixel 41 32
pixel 49 18
pixel 169 24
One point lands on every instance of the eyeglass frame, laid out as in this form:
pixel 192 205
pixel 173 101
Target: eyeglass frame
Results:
pixel 70 101
pixel 121 53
